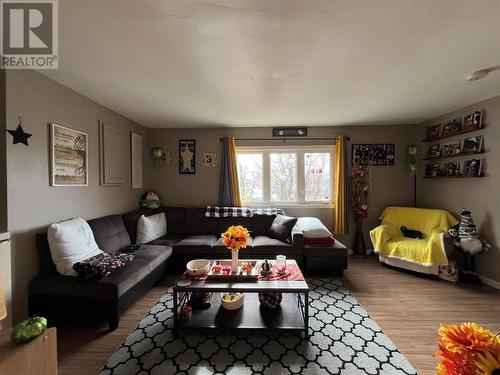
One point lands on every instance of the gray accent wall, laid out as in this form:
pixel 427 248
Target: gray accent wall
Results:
pixel 32 203
pixel 479 195
pixel 392 185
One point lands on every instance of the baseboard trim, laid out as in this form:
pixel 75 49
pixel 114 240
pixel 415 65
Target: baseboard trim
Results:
pixel 490 282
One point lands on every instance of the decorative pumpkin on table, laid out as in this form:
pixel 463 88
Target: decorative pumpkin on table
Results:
pixel 235 238
pixel 270 300
pixel 28 330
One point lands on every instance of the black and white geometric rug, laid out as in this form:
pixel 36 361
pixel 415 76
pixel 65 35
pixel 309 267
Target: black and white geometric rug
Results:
pixel 344 340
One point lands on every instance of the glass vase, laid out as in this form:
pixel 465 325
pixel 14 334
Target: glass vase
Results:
pixel 234 260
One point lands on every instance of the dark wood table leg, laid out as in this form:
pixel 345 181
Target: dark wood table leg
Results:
pixel 306 315
pixel 176 312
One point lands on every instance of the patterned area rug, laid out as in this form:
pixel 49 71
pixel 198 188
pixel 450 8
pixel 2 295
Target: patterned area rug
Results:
pixel 344 340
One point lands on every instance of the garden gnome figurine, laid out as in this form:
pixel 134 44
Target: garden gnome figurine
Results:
pixel 471 244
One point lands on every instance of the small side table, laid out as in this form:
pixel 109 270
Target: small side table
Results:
pixel 37 357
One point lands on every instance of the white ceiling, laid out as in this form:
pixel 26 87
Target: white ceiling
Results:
pixel 278 62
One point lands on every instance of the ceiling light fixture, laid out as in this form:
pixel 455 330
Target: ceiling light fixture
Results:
pixel 480 74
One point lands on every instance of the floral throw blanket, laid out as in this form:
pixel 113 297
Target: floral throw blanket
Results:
pixel 101 265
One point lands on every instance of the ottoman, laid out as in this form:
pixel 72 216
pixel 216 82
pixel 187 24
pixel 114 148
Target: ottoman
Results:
pixel 328 259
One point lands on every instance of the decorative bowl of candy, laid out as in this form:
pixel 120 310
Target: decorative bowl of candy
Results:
pixel 232 301
pixel 198 267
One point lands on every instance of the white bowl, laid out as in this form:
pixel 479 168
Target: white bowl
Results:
pixel 234 304
pixel 198 267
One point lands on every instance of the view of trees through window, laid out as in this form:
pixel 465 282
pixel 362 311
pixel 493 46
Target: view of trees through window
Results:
pixel 283 177
pixel 250 177
pixel 318 182
pixel 288 176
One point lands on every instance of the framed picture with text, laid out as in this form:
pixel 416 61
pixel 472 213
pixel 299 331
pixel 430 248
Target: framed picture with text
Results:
pixel 68 157
pixel 187 156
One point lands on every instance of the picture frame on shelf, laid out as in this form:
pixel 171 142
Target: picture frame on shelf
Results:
pixel 472 168
pixel 452 126
pixel 451 168
pixel 473 144
pixel 451 148
pixel 187 156
pixel 473 121
pixel 433 170
pixel 434 151
pixel 68 156
pixel 434 131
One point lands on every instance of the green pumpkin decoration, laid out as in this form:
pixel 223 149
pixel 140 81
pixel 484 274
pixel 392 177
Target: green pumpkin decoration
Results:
pixel 28 330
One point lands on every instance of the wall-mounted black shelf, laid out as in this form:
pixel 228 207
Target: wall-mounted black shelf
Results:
pixel 456 155
pixel 449 135
pixel 460 176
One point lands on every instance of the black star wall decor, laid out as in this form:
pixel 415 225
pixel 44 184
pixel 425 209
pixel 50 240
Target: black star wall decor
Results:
pixel 19 135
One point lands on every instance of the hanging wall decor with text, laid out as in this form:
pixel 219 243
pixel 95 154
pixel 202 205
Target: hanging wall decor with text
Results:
pixel 373 154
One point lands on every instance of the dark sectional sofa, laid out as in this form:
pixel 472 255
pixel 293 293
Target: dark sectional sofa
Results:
pixel 190 235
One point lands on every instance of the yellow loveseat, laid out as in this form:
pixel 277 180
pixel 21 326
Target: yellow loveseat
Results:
pixel 423 255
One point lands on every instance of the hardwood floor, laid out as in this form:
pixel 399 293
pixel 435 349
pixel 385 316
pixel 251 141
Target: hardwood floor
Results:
pixel 408 307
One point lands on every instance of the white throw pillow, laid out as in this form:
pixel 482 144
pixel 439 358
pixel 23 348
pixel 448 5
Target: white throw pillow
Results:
pixel 150 228
pixel 312 227
pixel 71 241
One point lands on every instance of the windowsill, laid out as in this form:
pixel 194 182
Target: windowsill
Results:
pixel 288 205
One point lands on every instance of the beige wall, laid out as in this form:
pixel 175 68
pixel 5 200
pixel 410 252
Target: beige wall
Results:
pixel 391 185
pixel 480 195
pixel 32 202
pixel 3 155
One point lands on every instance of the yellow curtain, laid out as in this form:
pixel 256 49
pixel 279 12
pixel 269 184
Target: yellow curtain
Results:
pixel 233 173
pixel 339 201
pixel 3 306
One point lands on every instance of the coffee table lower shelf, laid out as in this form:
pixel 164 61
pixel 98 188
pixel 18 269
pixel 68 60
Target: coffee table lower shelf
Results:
pixel 292 315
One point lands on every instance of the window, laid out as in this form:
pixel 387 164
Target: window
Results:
pixel 285 175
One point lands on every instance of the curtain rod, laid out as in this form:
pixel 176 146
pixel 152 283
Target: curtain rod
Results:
pixel 289 138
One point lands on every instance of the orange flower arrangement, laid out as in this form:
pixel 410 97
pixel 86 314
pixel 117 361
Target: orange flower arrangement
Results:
pixel 235 237
pixel 468 349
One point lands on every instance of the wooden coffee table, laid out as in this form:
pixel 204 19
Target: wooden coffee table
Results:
pixel 292 315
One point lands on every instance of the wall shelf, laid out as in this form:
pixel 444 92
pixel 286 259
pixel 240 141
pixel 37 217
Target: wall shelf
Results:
pixel 449 135
pixel 430 177
pixel 455 155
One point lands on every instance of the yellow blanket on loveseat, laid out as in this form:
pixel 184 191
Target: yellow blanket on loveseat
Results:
pixel 389 241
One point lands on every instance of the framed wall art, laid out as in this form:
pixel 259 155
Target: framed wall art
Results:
pixel 373 154
pixel 136 160
pixel 209 159
pixel 112 151
pixel 187 156
pixel 69 156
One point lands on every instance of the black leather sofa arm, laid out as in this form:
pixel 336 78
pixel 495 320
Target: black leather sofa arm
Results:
pixel 298 241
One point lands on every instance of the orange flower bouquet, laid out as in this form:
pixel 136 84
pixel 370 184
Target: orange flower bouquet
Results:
pixel 235 238
pixel 468 349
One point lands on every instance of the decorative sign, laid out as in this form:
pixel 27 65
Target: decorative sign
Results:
pixel 136 160
pixel 187 156
pixel 209 159
pixel 69 157
pixel 373 154
pixel 289 132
